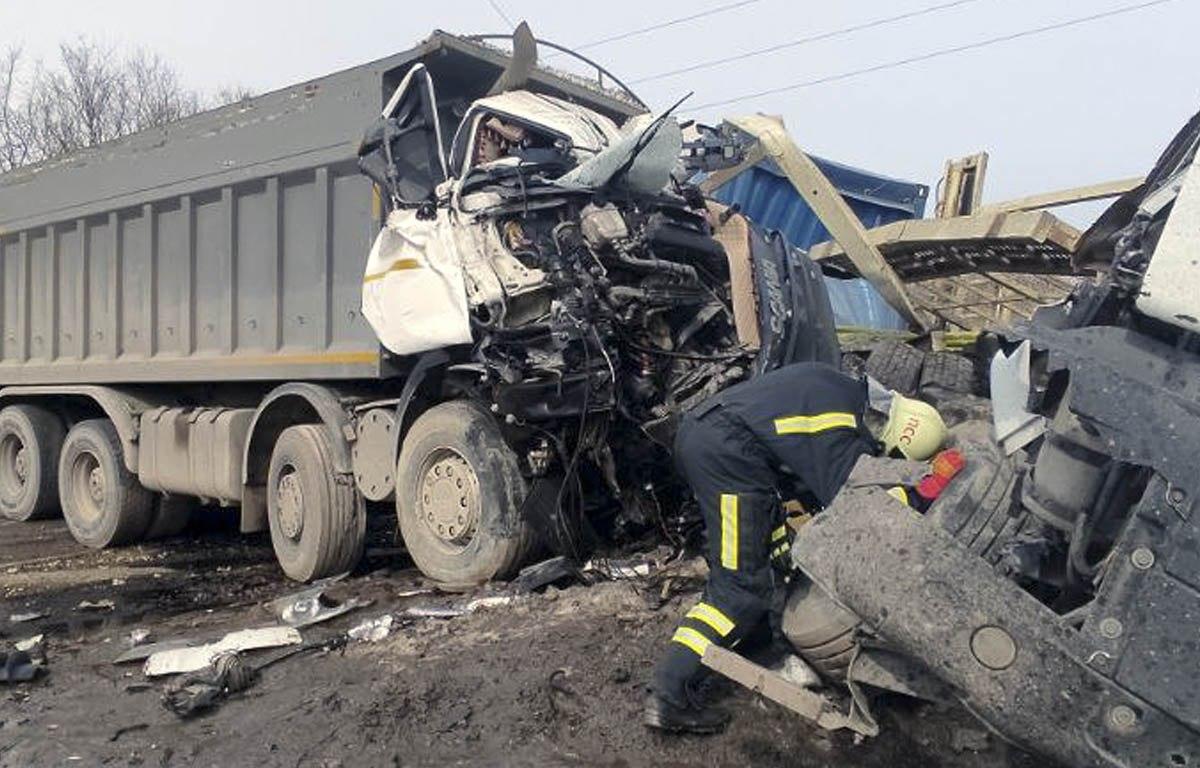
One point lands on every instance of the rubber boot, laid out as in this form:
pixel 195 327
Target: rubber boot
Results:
pixel 662 715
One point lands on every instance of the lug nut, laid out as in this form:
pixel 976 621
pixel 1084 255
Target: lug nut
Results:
pixel 1142 559
pixel 1122 718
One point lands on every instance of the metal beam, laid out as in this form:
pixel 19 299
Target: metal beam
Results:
pixel 1067 196
pixel 831 209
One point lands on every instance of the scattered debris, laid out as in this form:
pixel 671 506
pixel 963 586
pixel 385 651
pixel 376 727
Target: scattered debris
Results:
pixel 146 650
pixel 138 637
pixel 28 645
pixel 312 606
pixel 617 569
pixel 496 601
pixel 415 592
pixel 454 611
pixel 192 659
pixel 539 575
pixel 21 618
pixel 434 612
pixel 98 605
pixel 372 630
pixel 191 694
pixel 128 729
pixel 17 667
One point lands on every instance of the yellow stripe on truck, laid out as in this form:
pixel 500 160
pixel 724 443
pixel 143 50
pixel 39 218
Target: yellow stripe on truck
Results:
pixel 811 425
pixel 399 266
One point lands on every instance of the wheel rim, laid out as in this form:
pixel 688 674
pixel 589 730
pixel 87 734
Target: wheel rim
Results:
pixel 88 486
pixel 448 500
pixel 14 468
pixel 289 500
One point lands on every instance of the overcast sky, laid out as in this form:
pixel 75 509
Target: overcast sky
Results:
pixel 1069 107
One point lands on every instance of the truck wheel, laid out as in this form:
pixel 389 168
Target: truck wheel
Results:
pixel 172 513
pixel 30 441
pixel 897 366
pixel 102 501
pixel 459 495
pixel 318 523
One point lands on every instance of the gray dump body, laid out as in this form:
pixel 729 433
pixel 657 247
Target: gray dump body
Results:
pixel 227 246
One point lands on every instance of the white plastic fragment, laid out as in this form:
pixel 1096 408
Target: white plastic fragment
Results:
pixel 198 657
pixel 372 630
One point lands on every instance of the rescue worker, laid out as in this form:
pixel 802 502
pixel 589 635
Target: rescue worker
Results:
pixel 800 427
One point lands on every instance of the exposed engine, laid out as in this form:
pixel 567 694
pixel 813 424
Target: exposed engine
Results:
pixel 612 318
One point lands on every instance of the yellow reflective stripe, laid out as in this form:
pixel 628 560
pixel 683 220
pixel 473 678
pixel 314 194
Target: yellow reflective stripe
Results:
pixel 729 531
pixel 692 639
pixel 780 550
pixel 401 264
pixel 899 494
pixel 713 617
pixel 779 533
pixel 808 425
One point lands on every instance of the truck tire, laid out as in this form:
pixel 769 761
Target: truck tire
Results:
pixel 978 507
pixel 948 372
pixel 459 496
pixel 172 513
pixel 318 521
pixel 30 441
pixel 897 366
pixel 102 501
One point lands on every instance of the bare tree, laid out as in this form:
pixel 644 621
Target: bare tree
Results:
pixel 91 95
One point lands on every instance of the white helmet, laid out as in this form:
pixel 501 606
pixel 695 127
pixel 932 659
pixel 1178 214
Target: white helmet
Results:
pixel 914 428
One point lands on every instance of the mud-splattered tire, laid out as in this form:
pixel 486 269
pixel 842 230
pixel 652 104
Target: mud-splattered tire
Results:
pixel 948 372
pixel 30 441
pixel 897 366
pixel 318 521
pixel 102 501
pixel 172 513
pixel 459 494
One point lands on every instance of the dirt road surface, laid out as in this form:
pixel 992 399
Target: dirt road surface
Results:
pixel 552 679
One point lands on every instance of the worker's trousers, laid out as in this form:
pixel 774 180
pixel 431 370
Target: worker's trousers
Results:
pixel 734 481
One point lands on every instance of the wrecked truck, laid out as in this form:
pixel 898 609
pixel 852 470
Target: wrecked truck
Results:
pixel 187 319
pixel 1054 587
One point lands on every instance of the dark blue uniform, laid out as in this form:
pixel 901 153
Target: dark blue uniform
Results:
pixel 734 449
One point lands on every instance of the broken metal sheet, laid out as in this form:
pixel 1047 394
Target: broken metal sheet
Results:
pixel 21 618
pixel 310 606
pixel 1013 425
pixel 644 158
pixel 195 658
pixel 413 294
pixel 809 705
pixel 145 650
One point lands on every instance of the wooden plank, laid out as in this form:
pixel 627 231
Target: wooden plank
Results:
pixel 809 705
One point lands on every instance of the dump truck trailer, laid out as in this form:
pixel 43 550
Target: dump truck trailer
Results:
pixel 330 295
pixel 181 317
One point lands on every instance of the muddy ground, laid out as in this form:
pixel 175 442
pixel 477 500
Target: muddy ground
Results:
pixel 552 679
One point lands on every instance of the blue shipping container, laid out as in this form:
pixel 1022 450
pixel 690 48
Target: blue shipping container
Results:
pixel 765 195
